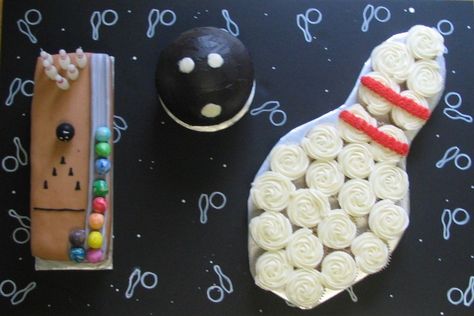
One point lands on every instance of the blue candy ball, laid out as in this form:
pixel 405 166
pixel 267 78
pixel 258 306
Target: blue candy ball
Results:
pixel 102 134
pixel 102 166
pixel 77 254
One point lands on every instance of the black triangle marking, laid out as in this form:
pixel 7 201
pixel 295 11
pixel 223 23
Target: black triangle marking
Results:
pixel 63 160
pixel 54 172
pixel 45 184
pixel 71 173
pixel 78 186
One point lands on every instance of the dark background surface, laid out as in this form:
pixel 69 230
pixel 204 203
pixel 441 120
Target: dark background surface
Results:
pixel 161 169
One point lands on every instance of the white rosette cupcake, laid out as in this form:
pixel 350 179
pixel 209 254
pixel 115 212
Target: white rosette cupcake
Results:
pixel 392 59
pixel 304 288
pixel 337 230
pixel 425 78
pixel 356 161
pixel 272 270
pixel 424 42
pixel 271 191
pixel 351 134
pixel 383 154
pixel 307 207
pixel 289 160
pixel 405 120
pixel 356 197
pixel 270 230
pixel 304 250
pixel 389 182
pixel 370 252
pixel 339 270
pixel 325 176
pixel 387 220
pixel 322 142
pixel 375 104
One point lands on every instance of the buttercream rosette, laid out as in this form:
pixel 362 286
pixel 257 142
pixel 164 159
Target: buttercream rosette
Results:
pixel 392 59
pixel 405 120
pixel 389 181
pixel 356 161
pixel 270 230
pixel 339 270
pixel 289 160
pixel 322 142
pixel 376 104
pixel 383 154
pixel 325 176
pixel 304 288
pixel 370 252
pixel 304 249
pixel 351 134
pixel 424 42
pixel 337 230
pixel 388 220
pixel 272 270
pixel 425 78
pixel 271 191
pixel 307 207
pixel 356 197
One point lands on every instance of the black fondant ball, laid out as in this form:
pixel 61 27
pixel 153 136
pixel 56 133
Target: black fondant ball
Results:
pixel 205 78
pixel 65 132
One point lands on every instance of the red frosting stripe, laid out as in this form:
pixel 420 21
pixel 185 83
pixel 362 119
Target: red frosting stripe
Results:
pixel 396 99
pixel 374 133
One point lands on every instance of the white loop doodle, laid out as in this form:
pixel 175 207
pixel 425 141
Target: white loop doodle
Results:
pixel 16 86
pixel 451 105
pixel 303 21
pixel 24 24
pixel 448 217
pixel 119 125
pixel 273 108
pixel 2 286
pixel 209 200
pixel 453 153
pixel 451 111
pixel 155 17
pixel 231 26
pixel 371 12
pixel 352 294
pixel 225 286
pixel 98 18
pixel 20 295
pixel 137 277
pixel 446 32
pixel 20 159
pixel 466 297
pixel 23 88
pixel 154 282
pixel 25 226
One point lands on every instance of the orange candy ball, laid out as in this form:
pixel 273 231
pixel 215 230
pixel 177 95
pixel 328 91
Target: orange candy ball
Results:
pixel 96 221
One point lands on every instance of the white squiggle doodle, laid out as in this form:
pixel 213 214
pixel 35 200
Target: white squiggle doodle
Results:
pixel 137 277
pixel 450 25
pixel 16 297
pixel 225 286
pixel 272 107
pixel 24 222
pixel 466 297
pixel 119 125
pixel 98 18
pixel 452 108
pixel 303 21
pixel 209 200
pixel 371 12
pixel 453 153
pixel 156 17
pixel 24 24
pixel 18 85
pixel 448 217
pixel 231 26
pixel 352 294
pixel 20 159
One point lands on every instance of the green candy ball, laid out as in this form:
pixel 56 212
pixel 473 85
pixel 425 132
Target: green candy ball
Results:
pixel 100 188
pixel 102 149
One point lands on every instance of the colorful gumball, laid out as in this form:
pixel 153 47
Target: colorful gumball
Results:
pixel 77 254
pixel 102 166
pixel 94 255
pixel 103 134
pixel 100 188
pixel 95 240
pixel 102 149
pixel 99 204
pixel 96 221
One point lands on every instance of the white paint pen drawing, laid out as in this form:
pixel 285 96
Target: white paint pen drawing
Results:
pixel 20 158
pixel 452 110
pixel 16 297
pixel 304 20
pixel 32 17
pixel 380 13
pixel 19 85
pixel 273 108
pixel 119 125
pixel 155 17
pixel 107 17
pixel 461 160
pixel 442 29
pixel 458 216
pixel 231 26
pixel 24 230
pixel 148 280
pixel 465 297
pixel 225 286
pixel 206 201
pixel 352 294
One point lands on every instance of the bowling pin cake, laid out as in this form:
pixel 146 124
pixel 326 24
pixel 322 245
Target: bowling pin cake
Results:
pixel 205 79
pixel 328 210
pixel 71 154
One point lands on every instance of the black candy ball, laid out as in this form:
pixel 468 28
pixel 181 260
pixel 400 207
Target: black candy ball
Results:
pixel 65 132
pixel 205 79
pixel 77 237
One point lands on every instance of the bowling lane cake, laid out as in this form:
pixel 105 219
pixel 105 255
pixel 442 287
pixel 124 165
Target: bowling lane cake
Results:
pixel 71 161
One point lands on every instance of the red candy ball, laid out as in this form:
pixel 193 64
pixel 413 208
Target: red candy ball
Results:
pixel 99 204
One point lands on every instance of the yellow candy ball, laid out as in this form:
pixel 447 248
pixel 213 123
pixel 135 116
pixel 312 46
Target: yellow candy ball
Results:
pixel 95 240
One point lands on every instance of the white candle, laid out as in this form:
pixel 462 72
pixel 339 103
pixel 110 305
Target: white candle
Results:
pixel 64 59
pixel 72 72
pixel 50 70
pixel 62 82
pixel 81 58
pixel 46 56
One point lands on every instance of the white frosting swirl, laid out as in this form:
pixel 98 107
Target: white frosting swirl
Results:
pixel 370 252
pixel 387 220
pixel 356 197
pixel 392 59
pixel 425 42
pixel 339 270
pixel 270 230
pixel 304 250
pixel 289 160
pixel 375 104
pixel 337 230
pixel 307 207
pixel 356 161
pixel 382 153
pixel 325 176
pixel 304 288
pixel 322 142
pixel 351 134
pixel 389 181
pixel 272 270
pixel 271 191
pixel 425 78
pixel 405 120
